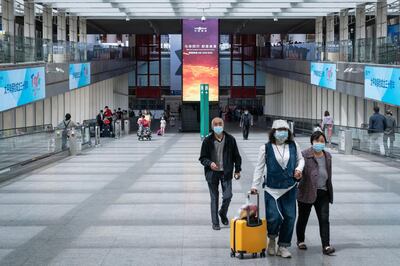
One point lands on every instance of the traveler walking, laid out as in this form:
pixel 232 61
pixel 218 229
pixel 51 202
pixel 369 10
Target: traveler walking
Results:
pixel 99 120
pixel 221 160
pixel 389 134
pixel 327 126
pixel 246 121
pixel 163 125
pixel 315 189
pixel 65 125
pixel 377 126
pixel 281 162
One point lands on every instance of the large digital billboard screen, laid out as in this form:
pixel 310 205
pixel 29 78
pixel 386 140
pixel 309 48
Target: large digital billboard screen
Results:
pixel 200 58
pixel 382 84
pixel 79 75
pixel 21 86
pixel 323 75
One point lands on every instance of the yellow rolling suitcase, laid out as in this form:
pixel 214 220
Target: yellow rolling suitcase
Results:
pixel 249 236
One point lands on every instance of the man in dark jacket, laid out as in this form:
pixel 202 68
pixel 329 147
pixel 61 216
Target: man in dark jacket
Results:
pixel 377 125
pixel 246 121
pixel 219 156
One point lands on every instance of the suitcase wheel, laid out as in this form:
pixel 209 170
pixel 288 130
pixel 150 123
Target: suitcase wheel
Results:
pixel 241 255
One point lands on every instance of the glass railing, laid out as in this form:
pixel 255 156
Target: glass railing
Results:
pixel 21 145
pixel 13 132
pixel 369 50
pixel 18 49
pixel 362 139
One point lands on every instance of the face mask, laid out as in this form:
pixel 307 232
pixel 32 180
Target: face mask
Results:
pixel 218 130
pixel 281 135
pixel 318 147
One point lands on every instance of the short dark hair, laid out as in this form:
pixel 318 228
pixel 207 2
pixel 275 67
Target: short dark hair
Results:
pixel 272 138
pixel 316 135
pixel 326 113
pixel 67 116
pixel 376 109
pixel 106 106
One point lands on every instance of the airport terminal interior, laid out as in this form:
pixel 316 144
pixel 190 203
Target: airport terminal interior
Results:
pixel 142 132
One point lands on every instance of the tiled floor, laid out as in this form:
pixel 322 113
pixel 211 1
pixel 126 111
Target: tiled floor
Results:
pixel 147 203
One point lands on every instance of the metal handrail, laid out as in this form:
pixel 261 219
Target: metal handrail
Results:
pixel 25 131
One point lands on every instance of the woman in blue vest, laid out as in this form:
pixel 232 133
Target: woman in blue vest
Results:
pixel 280 166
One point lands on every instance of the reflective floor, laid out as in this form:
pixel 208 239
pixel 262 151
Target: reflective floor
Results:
pixel 147 203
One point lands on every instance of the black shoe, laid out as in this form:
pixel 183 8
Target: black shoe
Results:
pixel 224 219
pixel 328 250
pixel 216 227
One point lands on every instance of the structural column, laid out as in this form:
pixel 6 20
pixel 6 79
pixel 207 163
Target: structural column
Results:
pixel 381 31
pixel 29 30
pixel 61 27
pixel 360 33
pixel 319 37
pixel 330 38
pixel 83 39
pixel 47 27
pixel 8 21
pixel 73 38
pixel 59 57
pixel 344 36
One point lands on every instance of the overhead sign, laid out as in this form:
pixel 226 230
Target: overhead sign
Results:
pixel 323 75
pixel 200 58
pixel 382 84
pixel 21 86
pixel 79 75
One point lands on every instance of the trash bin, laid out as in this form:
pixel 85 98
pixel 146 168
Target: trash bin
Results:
pixel 126 127
pixel 345 141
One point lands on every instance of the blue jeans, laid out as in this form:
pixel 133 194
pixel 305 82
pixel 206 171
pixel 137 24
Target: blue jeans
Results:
pixel 275 224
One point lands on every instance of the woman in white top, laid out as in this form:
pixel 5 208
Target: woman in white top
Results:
pixel 280 165
pixel 163 125
pixel 327 126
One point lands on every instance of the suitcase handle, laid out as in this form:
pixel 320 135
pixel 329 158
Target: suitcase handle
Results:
pixel 258 210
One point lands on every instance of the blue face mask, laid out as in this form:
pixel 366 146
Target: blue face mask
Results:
pixel 281 135
pixel 218 130
pixel 318 147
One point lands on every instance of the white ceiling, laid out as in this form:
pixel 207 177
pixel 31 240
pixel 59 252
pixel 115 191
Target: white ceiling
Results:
pixel 235 9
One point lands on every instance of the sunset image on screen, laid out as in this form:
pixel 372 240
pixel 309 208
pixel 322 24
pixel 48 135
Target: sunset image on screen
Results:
pixel 200 58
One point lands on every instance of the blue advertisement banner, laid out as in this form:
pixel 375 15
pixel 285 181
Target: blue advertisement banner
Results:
pixel 79 75
pixel 21 86
pixel 323 75
pixel 382 84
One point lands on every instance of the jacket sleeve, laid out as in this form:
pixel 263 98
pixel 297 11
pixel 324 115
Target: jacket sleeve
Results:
pixel 237 158
pixel 300 159
pixel 259 171
pixel 370 123
pixel 205 158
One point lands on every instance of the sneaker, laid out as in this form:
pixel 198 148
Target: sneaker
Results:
pixel 271 247
pixel 328 250
pixel 224 219
pixel 283 252
pixel 216 227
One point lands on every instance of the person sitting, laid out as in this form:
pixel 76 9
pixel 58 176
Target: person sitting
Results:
pixel 143 123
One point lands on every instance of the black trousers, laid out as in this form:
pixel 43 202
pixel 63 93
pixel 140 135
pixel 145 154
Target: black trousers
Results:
pixel 321 206
pixel 246 130
pixel 214 195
